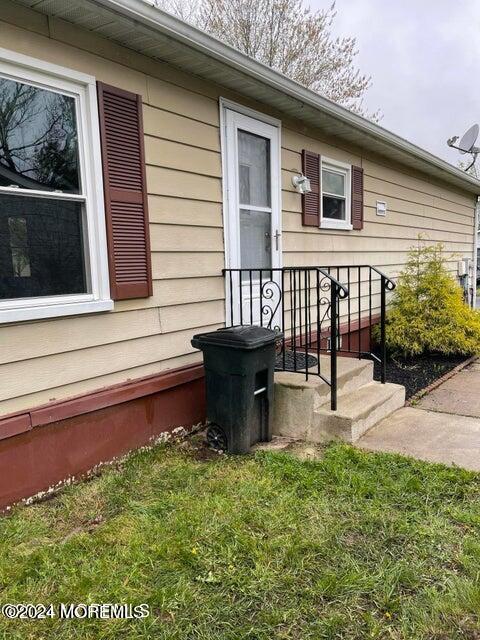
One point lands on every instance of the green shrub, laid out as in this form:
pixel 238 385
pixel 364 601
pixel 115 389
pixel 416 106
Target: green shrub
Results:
pixel 427 312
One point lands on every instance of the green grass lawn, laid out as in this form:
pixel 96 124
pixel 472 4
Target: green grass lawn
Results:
pixel 353 546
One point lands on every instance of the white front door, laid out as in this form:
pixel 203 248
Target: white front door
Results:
pixel 252 218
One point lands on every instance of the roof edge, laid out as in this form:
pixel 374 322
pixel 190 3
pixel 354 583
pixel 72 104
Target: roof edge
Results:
pixel 168 24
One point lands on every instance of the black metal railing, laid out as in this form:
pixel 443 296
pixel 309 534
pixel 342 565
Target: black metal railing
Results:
pixel 317 310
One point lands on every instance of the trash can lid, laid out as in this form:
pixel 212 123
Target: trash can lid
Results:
pixel 239 337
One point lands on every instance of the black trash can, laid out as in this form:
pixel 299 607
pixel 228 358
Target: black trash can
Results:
pixel 239 367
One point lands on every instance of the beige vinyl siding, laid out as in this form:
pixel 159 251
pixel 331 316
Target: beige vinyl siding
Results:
pixel 414 207
pixel 58 358
pixel 167 210
pixel 418 212
pixel 54 371
pixel 162 124
pixel 16 402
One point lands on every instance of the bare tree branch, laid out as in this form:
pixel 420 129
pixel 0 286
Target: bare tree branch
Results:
pixel 288 36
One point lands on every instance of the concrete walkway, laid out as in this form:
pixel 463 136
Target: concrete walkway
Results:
pixel 443 427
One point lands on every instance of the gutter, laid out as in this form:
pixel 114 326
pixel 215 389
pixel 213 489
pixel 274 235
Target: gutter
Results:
pixel 158 21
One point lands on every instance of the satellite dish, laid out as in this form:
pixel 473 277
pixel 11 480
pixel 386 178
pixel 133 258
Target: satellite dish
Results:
pixel 468 139
pixel 467 144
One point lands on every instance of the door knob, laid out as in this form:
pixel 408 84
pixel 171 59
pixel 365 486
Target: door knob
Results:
pixel 277 236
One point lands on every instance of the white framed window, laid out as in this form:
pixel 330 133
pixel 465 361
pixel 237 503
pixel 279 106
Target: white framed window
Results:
pixel 53 250
pixel 336 195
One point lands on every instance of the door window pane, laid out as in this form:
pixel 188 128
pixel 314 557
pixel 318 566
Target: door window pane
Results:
pixel 38 139
pixel 255 239
pixel 254 169
pixel 41 247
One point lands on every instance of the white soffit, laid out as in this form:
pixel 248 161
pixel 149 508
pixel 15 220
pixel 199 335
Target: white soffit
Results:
pixel 159 35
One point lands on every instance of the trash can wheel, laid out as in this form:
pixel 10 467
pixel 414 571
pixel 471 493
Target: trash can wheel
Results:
pixel 216 438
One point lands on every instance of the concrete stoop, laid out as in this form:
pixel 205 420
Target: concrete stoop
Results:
pixel 302 407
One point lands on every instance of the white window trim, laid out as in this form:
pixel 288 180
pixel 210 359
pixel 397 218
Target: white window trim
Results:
pixel 346 170
pixel 83 88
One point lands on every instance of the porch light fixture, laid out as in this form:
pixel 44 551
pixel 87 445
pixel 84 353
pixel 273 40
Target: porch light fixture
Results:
pixel 301 184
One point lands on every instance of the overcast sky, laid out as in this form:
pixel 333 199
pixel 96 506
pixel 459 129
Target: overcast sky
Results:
pixel 423 56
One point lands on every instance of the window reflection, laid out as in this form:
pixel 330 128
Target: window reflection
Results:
pixel 333 182
pixel 334 185
pixel 254 169
pixel 17 228
pixel 38 138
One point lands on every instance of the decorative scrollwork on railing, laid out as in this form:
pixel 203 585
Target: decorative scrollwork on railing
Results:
pixel 325 308
pixel 325 284
pixel 327 281
pixel 271 297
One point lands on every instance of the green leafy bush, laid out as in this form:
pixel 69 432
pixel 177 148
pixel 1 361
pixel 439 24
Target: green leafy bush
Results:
pixel 427 312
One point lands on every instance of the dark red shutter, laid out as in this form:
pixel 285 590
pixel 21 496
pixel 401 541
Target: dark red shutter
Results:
pixel 311 201
pixel 121 130
pixel 357 197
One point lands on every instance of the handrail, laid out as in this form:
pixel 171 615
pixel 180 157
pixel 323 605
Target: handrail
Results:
pixel 340 287
pixel 389 283
pixel 325 313
pixel 338 292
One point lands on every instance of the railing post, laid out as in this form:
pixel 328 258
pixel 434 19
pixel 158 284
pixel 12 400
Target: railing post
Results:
pixel 383 346
pixel 333 345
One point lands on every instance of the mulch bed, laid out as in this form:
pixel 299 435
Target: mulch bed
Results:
pixel 419 372
pixel 291 359
pixel 415 374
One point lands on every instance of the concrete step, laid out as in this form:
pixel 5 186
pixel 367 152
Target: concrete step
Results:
pixel 351 374
pixel 296 399
pixel 302 407
pixel 358 411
